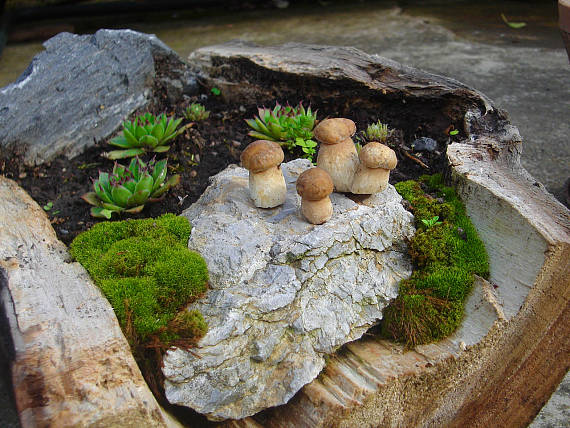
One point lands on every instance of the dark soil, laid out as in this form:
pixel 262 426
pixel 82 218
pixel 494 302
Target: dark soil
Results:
pixel 203 150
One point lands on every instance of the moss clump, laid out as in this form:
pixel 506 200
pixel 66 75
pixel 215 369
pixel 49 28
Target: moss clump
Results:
pixel 145 270
pixel 446 256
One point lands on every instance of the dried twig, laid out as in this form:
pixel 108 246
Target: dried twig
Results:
pixel 415 159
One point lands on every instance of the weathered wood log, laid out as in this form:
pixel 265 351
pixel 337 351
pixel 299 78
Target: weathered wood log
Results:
pixel 71 364
pixel 497 370
pixel 504 362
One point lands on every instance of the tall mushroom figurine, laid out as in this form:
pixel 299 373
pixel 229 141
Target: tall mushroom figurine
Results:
pixel 315 185
pixel 337 153
pixel 266 182
pixel 376 161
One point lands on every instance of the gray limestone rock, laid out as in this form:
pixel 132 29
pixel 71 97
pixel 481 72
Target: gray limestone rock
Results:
pixel 80 89
pixel 284 293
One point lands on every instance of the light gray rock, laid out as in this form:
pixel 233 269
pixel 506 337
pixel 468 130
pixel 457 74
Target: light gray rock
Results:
pixel 284 293
pixel 80 89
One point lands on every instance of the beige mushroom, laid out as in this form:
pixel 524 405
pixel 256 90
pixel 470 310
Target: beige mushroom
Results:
pixel 337 153
pixel 266 182
pixel 315 185
pixel 376 161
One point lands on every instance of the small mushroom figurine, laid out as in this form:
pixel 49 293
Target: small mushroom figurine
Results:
pixel 266 182
pixel 376 161
pixel 315 185
pixel 337 153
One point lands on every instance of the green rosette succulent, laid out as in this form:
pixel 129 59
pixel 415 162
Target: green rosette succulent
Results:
pixel 284 124
pixel 147 133
pixel 129 189
pixel 377 132
pixel 196 112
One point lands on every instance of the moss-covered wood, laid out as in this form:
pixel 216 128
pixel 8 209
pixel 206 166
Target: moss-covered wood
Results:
pixel 446 255
pixel 147 273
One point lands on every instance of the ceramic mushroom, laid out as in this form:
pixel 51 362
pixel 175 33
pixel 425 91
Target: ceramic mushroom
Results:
pixel 315 185
pixel 337 153
pixel 376 162
pixel 266 183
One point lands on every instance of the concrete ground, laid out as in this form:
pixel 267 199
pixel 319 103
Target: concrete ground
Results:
pixel 525 71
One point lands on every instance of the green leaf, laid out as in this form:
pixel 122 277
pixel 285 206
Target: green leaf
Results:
pixel 48 206
pixel 120 195
pixel 159 173
pixel 260 136
pixel 454 132
pixel 140 132
pixel 129 136
pixel 161 149
pixel 121 154
pixel 101 191
pixel 515 25
pixel 112 207
pixel 139 198
pixel 216 91
pixel 130 185
pixel 149 141
pixel 120 141
pixel 252 124
pixel 146 183
pixel 158 131
pixel 261 126
pixel 91 198
pixel 101 213
pixel 172 181
pixel 135 210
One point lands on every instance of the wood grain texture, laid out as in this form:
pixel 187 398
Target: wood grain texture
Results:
pixel 71 365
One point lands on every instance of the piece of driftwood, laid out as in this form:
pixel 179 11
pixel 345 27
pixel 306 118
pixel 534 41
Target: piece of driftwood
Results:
pixel 71 365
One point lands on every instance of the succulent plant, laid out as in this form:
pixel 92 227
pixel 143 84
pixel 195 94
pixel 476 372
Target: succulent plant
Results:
pixel 284 124
pixel 129 189
pixel 147 133
pixel 378 132
pixel 196 112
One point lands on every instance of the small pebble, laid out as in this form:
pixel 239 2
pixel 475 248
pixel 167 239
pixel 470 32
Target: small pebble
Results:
pixel 193 173
pixel 462 234
pixel 424 144
pixel 203 97
pixel 22 175
pixel 236 143
pixel 242 109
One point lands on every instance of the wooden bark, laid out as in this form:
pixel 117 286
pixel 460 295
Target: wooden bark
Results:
pixel 71 365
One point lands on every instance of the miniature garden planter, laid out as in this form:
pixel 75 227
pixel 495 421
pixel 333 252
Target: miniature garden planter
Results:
pixel 498 369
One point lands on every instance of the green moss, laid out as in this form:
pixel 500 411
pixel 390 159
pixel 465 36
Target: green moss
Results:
pixel 445 256
pixel 145 270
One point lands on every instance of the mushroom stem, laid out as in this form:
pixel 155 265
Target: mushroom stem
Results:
pixel 370 180
pixel 340 161
pixel 317 212
pixel 267 188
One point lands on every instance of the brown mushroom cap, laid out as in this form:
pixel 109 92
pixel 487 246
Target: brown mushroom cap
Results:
pixel 333 131
pixel 261 155
pixel 314 184
pixel 376 155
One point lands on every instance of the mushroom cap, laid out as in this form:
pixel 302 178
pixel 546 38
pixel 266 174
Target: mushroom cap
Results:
pixel 335 130
pixel 261 155
pixel 376 155
pixel 314 184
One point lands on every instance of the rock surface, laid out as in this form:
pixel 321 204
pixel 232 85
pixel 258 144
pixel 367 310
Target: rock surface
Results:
pixel 71 364
pixel 80 89
pixel 284 293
